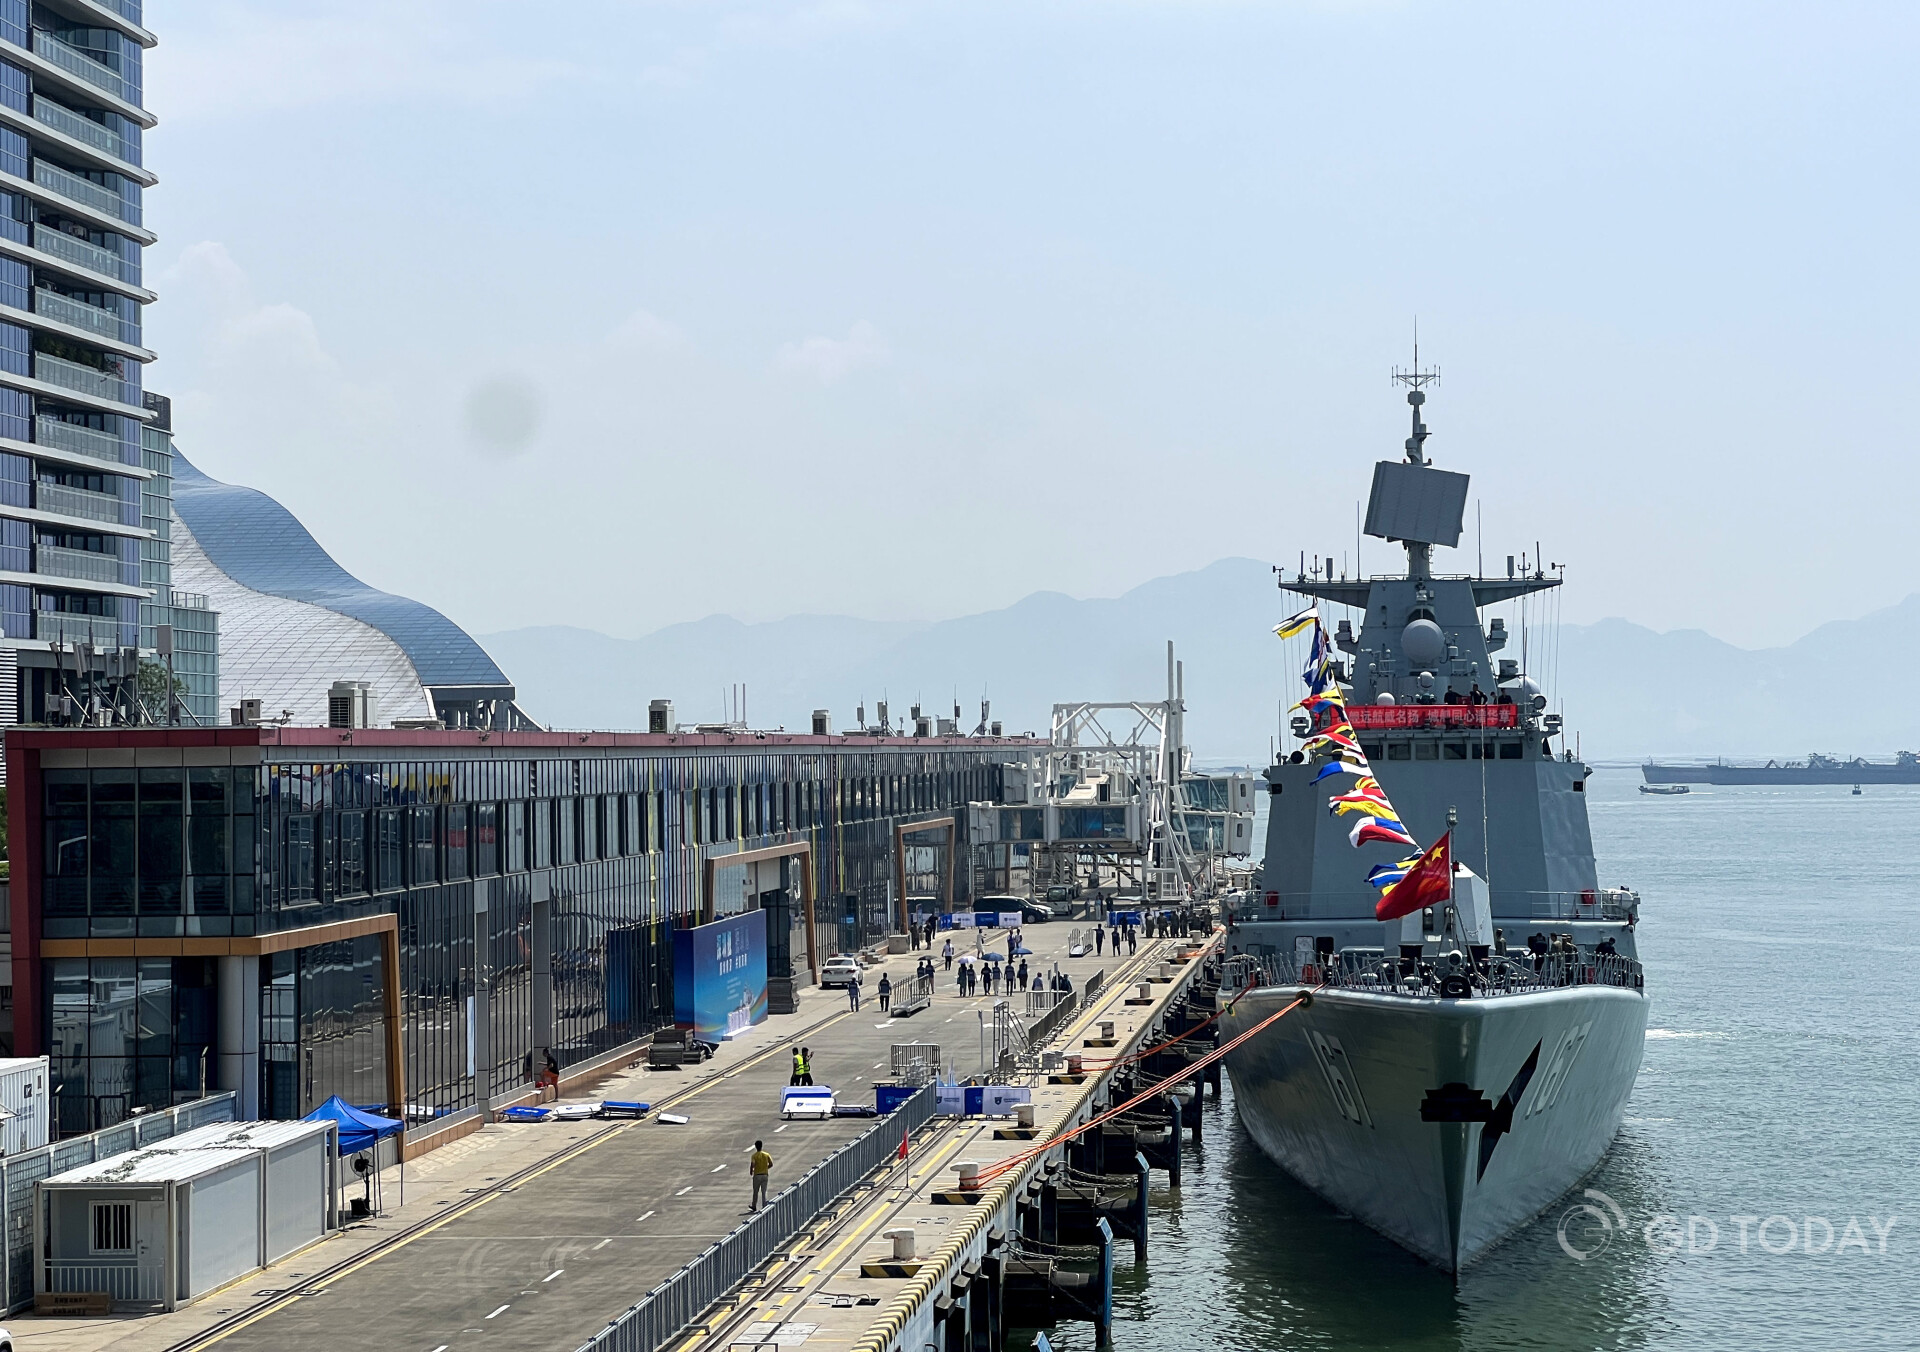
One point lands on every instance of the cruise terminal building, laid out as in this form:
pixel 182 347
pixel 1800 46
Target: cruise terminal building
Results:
pixel 409 918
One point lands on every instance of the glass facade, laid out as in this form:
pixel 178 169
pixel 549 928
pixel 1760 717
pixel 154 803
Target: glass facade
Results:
pixel 535 898
pixel 71 408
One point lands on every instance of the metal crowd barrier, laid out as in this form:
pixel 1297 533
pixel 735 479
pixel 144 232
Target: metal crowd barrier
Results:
pixel 667 1309
pixel 18 1173
pixel 1049 1023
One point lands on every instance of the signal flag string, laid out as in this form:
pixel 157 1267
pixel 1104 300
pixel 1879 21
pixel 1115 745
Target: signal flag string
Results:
pixel 993 1171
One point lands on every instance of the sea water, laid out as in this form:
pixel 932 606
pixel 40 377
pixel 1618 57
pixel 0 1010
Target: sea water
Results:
pixel 1780 929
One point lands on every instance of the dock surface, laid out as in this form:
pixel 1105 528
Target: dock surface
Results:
pixel 594 1214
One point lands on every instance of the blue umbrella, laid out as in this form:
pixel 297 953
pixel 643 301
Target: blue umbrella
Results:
pixel 991 957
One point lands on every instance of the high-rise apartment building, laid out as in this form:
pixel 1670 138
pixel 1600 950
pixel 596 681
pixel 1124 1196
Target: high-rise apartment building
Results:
pixel 85 570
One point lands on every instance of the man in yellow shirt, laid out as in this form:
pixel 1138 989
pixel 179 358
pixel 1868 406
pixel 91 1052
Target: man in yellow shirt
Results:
pixel 760 1166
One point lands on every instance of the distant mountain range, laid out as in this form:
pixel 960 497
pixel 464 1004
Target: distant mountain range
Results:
pixel 1628 691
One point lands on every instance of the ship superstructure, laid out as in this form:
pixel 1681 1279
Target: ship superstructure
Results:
pixel 1461 1067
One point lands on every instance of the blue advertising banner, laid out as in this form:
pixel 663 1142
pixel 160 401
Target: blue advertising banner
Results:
pixel 720 976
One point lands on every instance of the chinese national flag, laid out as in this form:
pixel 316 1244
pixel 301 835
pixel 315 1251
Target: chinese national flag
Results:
pixel 1428 883
pixel 904 1135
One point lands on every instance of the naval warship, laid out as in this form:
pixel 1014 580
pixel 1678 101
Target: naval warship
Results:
pixel 1455 1071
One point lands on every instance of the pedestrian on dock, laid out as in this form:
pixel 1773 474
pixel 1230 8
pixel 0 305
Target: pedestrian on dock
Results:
pixel 947 953
pixel 806 1066
pixel 1099 941
pixel 799 1069
pixel 1023 974
pixel 885 989
pixel 761 1167
pixel 853 991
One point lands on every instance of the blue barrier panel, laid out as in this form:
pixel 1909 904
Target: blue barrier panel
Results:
pixel 720 976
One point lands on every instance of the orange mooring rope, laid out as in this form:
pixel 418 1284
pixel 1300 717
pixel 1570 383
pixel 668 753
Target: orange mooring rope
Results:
pixel 1115 1062
pixel 993 1171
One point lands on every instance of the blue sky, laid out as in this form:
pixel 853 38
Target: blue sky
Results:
pixel 629 313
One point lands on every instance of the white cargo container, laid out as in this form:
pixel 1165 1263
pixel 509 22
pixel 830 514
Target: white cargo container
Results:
pixel 165 1224
pixel 23 1100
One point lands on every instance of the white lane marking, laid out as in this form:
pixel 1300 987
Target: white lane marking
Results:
pixel 596 1248
pixel 642 1218
pixel 441 1348
pixel 502 1309
pixel 716 1168
pixel 782 1127
pixel 551 1275
pixel 878 1064
pixel 684 1191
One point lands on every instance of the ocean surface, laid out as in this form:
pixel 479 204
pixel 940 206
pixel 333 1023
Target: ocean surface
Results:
pixel 1780 929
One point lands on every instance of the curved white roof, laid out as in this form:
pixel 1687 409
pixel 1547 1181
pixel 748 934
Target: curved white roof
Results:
pixel 286 653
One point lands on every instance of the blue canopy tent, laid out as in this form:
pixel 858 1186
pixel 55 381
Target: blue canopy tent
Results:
pixel 361 1130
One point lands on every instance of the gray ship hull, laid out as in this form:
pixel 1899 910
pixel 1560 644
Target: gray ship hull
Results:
pixel 1334 1094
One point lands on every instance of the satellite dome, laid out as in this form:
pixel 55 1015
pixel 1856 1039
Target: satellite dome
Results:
pixel 1526 690
pixel 1386 697
pixel 1423 643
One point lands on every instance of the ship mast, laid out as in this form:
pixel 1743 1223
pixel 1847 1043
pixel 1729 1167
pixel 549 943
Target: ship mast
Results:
pixel 1419 553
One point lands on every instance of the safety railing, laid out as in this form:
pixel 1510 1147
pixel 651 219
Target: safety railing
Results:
pixel 1513 973
pixel 50 304
pixel 667 1309
pixel 81 502
pixel 18 1174
pixel 86 379
pixel 83 129
pixel 83 565
pixel 1600 903
pixel 96 73
pixel 134 1283
pixel 1049 1023
pixel 85 191
pixel 52 240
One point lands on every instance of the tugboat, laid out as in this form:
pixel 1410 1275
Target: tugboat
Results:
pixel 1451 1072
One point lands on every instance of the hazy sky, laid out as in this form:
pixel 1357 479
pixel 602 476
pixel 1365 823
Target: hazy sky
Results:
pixel 619 314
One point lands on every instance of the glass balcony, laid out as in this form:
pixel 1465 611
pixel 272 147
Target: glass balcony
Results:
pixel 82 67
pixel 64 120
pixel 78 313
pixel 81 502
pixel 53 626
pixel 79 252
pixel 85 191
pixel 74 375
pixel 80 440
pixel 84 564
pixel 126 9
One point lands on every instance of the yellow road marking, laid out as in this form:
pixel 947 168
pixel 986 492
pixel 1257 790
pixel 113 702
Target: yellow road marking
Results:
pixel 565 1157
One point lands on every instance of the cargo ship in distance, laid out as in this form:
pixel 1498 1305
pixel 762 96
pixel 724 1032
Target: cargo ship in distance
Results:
pixel 1815 769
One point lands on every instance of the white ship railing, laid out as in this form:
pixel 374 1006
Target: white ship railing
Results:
pixel 1427 977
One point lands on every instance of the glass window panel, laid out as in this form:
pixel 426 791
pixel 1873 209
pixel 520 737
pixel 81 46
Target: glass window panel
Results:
pixel 162 840
pixel 486 840
pixel 455 853
pixel 112 852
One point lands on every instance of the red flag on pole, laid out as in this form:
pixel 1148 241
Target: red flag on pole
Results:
pixel 904 1135
pixel 1428 883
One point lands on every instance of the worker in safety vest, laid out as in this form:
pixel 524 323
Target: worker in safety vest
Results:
pixel 799 1068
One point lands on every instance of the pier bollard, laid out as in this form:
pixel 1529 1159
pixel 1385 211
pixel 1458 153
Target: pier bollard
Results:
pixel 1076 1065
pixel 969 1171
pixel 1146 990
pixel 1106 1029
pixel 1023 1114
pixel 902 1243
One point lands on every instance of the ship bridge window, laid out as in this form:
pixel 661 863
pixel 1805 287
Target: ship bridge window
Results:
pixel 1510 751
pixel 1426 751
pixel 1399 751
pixel 1455 751
pixel 1372 751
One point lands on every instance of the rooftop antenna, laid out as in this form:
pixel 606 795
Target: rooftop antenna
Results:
pixel 1416 381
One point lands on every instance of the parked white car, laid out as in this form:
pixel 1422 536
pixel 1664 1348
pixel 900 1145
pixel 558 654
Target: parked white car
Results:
pixel 839 971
